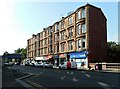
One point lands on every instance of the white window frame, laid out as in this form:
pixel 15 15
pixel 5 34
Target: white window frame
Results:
pixel 83 28
pixel 70 20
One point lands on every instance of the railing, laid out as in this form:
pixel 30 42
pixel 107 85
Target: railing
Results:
pixel 112 65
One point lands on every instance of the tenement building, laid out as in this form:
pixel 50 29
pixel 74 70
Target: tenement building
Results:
pixel 81 36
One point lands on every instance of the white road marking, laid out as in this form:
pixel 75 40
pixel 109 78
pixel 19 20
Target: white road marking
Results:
pixel 75 79
pixel 104 85
pixel 67 72
pixel 87 75
pixel 63 77
pixel 83 72
pixel 71 73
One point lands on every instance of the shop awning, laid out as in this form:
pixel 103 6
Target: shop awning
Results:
pixel 62 56
pixel 49 57
pixel 79 55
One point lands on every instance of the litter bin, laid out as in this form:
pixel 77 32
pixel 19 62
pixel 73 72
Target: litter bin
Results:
pixel 98 67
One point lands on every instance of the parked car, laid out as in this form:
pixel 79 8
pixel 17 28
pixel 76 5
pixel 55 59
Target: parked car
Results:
pixel 9 63
pixel 47 65
pixel 39 64
pixel 17 63
pixel 63 65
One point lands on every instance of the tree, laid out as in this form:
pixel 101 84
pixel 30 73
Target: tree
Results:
pixel 5 53
pixel 113 50
pixel 22 51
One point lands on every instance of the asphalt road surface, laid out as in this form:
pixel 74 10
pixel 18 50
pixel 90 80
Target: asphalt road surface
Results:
pixel 71 78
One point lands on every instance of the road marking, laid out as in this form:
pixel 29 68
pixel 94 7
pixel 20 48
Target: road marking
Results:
pixel 87 75
pixel 104 85
pixel 63 77
pixel 35 84
pixel 83 72
pixel 75 79
pixel 71 73
pixel 67 72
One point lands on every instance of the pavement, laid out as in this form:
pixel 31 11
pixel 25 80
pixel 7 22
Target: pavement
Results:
pixel 112 70
pixel 8 78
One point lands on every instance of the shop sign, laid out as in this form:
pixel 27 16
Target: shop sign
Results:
pixel 79 55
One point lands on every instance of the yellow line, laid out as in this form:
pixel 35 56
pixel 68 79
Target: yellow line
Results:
pixel 35 85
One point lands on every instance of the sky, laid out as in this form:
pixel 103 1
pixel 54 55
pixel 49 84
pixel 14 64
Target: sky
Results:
pixel 19 19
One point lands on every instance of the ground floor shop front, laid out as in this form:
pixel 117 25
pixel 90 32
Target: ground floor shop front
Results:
pixel 79 57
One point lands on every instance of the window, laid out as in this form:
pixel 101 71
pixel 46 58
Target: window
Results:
pixel 78 44
pixel 45 50
pixel 45 33
pixel 70 20
pixel 83 42
pixel 49 50
pixel 56 27
pixel 78 29
pixel 62 47
pixel 56 49
pixel 45 42
pixel 83 28
pixel 39 43
pixel 70 33
pixel 62 35
pixel 49 41
pixel 78 15
pixel 50 30
pixel 41 35
pixel 41 51
pixel 62 24
pixel 83 12
pixel 56 37
pixel 70 45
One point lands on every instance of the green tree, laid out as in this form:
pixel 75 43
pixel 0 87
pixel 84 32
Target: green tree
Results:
pixel 113 50
pixel 4 54
pixel 22 51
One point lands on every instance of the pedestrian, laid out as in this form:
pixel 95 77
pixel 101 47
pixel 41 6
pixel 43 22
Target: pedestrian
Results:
pixel 73 64
pixel 68 65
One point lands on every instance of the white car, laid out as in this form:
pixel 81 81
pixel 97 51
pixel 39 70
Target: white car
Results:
pixel 63 65
pixel 9 63
pixel 39 64
pixel 47 65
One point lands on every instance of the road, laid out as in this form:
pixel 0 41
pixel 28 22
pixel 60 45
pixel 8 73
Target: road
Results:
pixel 71 78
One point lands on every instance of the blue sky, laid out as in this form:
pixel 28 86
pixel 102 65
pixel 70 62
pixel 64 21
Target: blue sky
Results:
pixel 22 19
